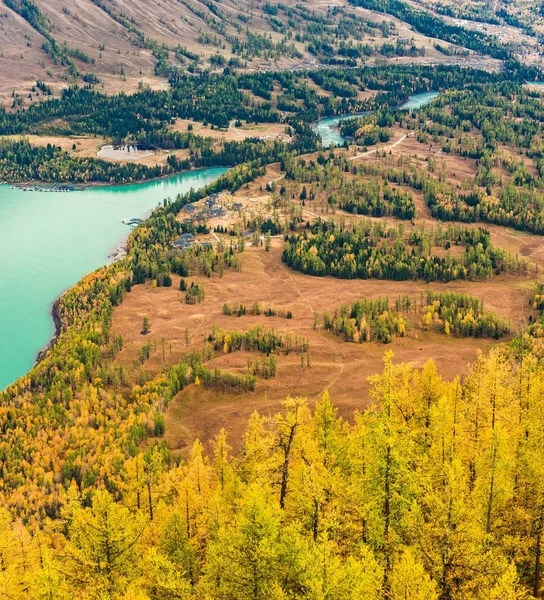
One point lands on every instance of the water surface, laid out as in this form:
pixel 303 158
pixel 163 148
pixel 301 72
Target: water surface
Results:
pixel 328 127
pixel 419 100
pixel 49 240
pixel 329 130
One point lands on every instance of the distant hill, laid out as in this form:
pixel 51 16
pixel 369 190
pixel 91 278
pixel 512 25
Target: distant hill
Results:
pixel 122 44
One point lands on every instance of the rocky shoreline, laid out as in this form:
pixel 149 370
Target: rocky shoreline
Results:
pixel 55 313
pixel 119 253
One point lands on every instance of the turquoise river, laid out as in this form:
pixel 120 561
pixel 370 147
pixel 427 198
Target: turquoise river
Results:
pixel 48 241
pixel 328 127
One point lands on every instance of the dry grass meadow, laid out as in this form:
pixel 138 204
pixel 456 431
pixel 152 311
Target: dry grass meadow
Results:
pixel 335 365
pixel 110 41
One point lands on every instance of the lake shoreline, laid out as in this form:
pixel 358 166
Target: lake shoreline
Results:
pixel 119 253
pixel 77 234
pixel 79 187
pixel 57 322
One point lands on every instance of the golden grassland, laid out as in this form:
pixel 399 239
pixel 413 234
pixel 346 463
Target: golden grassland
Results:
pixel 335 365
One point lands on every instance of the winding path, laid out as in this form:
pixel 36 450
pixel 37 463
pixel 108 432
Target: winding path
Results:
pixel 367 153
pixel 399 141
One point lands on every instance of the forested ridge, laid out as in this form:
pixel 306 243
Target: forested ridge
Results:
pixel 113 46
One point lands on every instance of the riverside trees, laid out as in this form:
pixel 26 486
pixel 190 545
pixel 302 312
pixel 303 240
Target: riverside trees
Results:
pixel 146 118
pixel 20 161
pixel 218 99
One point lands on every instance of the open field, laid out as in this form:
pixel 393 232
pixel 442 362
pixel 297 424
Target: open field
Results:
pixel 233 133
pixel 340 367
pixel 86 146
pixel 337 366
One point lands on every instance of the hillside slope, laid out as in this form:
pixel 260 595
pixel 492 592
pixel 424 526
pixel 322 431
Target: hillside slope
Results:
pixel 121 44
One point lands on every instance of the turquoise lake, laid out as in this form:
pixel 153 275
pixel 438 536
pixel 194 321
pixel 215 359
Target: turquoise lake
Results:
pixel 329 131
pixel 49 240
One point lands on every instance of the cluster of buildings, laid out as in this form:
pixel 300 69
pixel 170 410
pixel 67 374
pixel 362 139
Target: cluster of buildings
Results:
pixel 187 240
pixel 201 212
pixel 211 210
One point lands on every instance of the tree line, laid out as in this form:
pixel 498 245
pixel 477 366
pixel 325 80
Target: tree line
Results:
pixel 433 493
pixel 217 99
pixel 257 339
pixel 21 161
pixel 450 313
pixel 368 250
